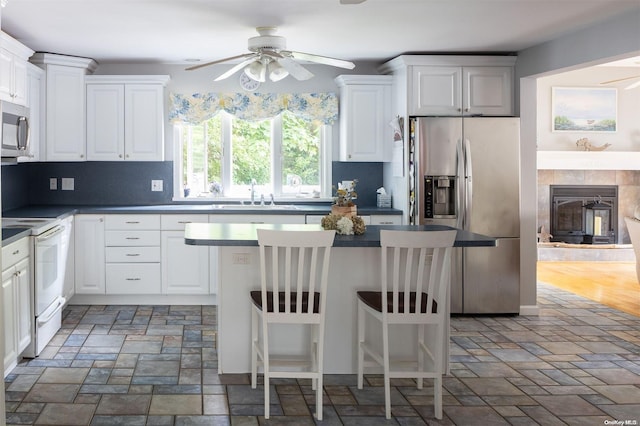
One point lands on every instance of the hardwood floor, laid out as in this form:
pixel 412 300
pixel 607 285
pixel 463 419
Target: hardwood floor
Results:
pixel 611 283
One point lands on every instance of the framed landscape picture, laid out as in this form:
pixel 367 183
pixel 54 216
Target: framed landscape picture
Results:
pixel 584 109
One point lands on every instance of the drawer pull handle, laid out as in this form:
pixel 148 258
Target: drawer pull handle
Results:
pixel 133 279
pixel 132 238
pixel 133 254
pixel 15 252
pixel 184 221
pixel 133 221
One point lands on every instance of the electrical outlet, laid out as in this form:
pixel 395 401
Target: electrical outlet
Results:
pixel 53 184
pixel 156 185
pixel 68 184
pixel 240 258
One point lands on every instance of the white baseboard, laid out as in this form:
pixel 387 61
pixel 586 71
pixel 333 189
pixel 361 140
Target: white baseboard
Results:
pixel 530 310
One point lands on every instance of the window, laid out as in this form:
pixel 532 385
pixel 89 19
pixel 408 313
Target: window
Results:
pixel 225 156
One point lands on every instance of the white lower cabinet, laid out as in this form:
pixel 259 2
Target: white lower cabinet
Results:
pixel 89 254
pixel 185 268
pixel 15 296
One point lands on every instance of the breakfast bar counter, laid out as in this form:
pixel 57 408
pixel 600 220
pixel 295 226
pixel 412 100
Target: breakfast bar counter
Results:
pixel 355 261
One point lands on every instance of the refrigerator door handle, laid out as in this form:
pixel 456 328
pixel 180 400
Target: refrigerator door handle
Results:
pixel 468 183
pixel 461 171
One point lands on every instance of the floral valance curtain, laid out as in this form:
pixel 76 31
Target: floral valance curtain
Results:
pixel 199 107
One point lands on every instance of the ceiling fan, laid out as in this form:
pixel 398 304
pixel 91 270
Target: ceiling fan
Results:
pixel 268 57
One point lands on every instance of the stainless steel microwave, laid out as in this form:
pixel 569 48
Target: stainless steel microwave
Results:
pixel 15 130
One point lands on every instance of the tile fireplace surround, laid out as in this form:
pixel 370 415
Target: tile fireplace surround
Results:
pixel 628 182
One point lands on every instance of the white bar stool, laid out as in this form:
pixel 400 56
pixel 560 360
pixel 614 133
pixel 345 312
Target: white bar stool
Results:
pixel 415 275
pixel 294 266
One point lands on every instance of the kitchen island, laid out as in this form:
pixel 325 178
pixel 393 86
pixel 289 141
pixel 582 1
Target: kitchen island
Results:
pixel 355 261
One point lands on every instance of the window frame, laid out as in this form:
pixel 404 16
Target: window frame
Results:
pixel 326 144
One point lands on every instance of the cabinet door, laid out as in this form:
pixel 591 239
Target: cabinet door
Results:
pixel 19 81
pixel 364 124
pixel 144 122
pixel 6 70
pixel 105 122
pixel 65 114
pixel 90 254
pixel 435 90
pixel 185 268
pixel 23 304
pixel 488 90
pixel 9 318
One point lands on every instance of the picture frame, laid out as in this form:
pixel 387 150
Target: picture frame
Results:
pixel 584 109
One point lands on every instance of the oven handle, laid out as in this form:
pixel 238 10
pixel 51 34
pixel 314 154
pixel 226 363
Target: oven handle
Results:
pixel 50 234
pixel 61 300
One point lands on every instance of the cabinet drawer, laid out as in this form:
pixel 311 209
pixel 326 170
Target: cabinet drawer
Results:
pixel 176 222
pixel 15 252
pixel 127 278
pixel 386 220
pixel 132 238
pixel 132 254
pixel 132 221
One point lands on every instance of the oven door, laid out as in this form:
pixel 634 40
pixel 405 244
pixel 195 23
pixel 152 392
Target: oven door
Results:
pixel 48 270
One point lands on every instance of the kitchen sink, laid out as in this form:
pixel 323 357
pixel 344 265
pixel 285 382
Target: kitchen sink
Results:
pixel 255 207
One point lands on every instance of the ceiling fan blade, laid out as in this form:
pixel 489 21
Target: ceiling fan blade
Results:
pixel 322 60
pixel 219 61
pixel 620 79
pixel 237 67
pixel 295 69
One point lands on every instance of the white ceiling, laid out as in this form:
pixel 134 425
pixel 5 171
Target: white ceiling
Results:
pixel 170 31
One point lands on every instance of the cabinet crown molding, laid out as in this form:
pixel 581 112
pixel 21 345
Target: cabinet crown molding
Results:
pixel 14 46
pixel 345 79
pixel 43 59
pixel 130 79
pixel 404 61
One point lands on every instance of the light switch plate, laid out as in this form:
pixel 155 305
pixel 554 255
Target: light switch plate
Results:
pixel 156 185
pixel 68 184
pixel 53 184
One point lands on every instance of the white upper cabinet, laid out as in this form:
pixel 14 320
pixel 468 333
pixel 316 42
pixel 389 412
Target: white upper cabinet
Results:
pixel 125 118
pixel 455 85
pixel 65 105
pixel 13 70
pixel 365 113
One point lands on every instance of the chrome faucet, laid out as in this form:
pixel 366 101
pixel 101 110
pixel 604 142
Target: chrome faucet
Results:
pixel 272 200
pixel 253 191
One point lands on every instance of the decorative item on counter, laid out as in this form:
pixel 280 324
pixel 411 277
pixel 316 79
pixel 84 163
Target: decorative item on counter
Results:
pixel 344 225
pixel 343 200
pixel 587 146
pixel 343 217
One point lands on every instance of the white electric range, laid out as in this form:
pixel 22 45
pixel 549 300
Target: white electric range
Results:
pixel 48 260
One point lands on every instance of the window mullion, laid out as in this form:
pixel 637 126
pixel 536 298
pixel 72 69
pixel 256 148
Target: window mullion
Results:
pixel 226 152
pixel 276 156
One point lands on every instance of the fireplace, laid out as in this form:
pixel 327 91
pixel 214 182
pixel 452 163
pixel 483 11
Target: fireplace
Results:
pixel 584 214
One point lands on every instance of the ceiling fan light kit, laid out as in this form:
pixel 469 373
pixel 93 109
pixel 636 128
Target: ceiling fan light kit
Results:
pixel 269 57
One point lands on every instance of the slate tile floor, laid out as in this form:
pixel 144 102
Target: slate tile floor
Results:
pixel 578 363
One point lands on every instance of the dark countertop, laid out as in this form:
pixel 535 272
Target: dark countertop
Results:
pixel 10 235
pixel 63 211
pixel 244 234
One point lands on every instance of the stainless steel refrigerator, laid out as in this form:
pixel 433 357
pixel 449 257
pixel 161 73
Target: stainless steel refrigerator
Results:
pixel 466 173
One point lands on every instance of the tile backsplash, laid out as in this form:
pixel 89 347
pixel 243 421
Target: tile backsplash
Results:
pixel 95 183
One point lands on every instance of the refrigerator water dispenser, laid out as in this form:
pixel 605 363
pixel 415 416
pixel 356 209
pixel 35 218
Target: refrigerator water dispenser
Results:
pixel 440 199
